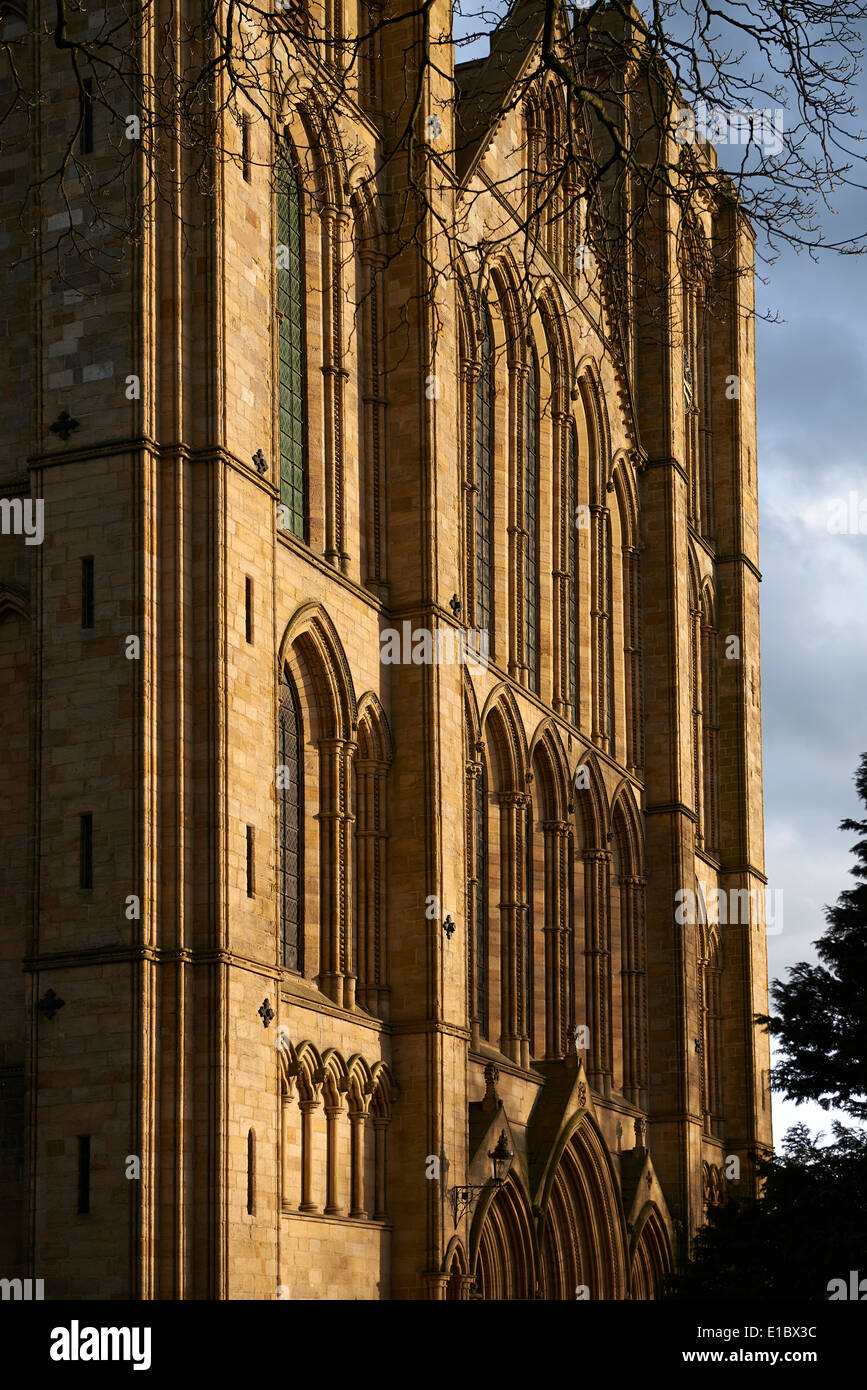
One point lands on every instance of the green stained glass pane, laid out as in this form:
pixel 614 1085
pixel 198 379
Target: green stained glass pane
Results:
pixel 290 304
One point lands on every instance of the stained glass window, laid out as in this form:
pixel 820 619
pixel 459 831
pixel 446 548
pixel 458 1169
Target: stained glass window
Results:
pixel 531 523
pixel 480 904
pixel 572 487
pixel 484 399
pixel 291 797
pixel 290 319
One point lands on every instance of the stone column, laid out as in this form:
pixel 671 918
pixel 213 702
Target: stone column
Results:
pixel 357 1120
pixel 332 1205
pixel 285 1102
pixel 307 1108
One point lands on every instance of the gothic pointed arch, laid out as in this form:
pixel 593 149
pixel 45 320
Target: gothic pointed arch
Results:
pixel 503 1244
pixel 710 977
pixel 476 789
pixel 561 370
pixel 313 663
pixel 505 281
pixel 310 639
pixel 583 1235
pixel 290 824
pixel 592 397
pixel 472 719
pixel 546 745
pixel 590 802
pixel 625 491
pixel 323 148
pixel 503 732
pixel 593 917
pixel 626 826
pixel 370 769
pixel 628 946
pixel 455 1265
pixel 550 870
pixel 651 1256
pixel 506 874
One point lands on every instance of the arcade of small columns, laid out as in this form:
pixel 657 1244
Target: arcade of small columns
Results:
pixel 354 1166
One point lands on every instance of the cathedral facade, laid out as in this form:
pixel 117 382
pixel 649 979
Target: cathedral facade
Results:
pixel 385 680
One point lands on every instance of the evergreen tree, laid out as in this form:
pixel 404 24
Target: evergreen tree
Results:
pixel 821 1018
pixel 807 1228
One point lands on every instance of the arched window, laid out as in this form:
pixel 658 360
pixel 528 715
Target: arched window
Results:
pixel 529 983
pixel 710 728
pixel 531 524
pixel 607 633
pixel 482 479
pixel 697 395
pixel 291 796
pixel 710 1009
pixel 478 878
pixel 291 353
pixel 572 556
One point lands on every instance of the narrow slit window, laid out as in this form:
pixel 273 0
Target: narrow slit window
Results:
pixel 251 862
pixel 87 591
pixel 245 148
pixel 85 851
pixel 83 1174
pixel 248 608
pixel 251 1173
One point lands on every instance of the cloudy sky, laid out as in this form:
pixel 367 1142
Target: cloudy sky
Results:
pixel 812 392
